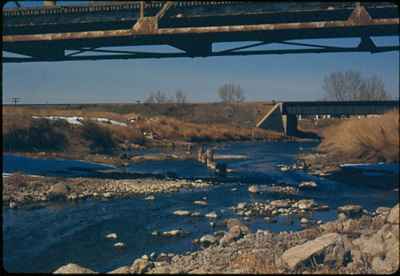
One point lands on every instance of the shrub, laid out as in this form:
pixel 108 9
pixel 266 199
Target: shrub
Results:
pixel 100 138
pixel 123 134
pixel 41 135
pixel 366 140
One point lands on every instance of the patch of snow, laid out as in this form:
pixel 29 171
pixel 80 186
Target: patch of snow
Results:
pixel 74 120
pixel 71 120
pixel 109 121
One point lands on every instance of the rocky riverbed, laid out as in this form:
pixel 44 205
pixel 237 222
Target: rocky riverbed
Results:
pixel 368 243
pixel 19 189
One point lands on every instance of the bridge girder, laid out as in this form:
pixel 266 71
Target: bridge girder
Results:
pixel 197 41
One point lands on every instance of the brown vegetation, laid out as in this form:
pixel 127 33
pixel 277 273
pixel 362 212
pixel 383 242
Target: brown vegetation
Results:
pixel 245 114
pixel 23 133
pixel 364 140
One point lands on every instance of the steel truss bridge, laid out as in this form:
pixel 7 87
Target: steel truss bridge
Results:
pixel 81 32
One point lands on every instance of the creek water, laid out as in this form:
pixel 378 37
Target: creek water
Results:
pixel 44 237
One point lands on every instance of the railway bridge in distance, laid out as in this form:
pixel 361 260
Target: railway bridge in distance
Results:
pixel 283 116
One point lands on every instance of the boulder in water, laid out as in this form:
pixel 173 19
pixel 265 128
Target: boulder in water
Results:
pixel 111 236
pixel 119 244
pixel 182 213
pixel 350 210
pixel 280 203
pixel 200 202
pixel 211 215
pixel 150 197
pixel 308 185
pixel 207 240
pixel 58 190
pixel 253 189
pixel 173 233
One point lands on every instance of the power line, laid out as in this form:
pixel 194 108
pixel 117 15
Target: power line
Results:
pixel 15 100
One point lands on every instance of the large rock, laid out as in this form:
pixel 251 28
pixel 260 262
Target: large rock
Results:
pixel 59 190
pixel 280 203
pixel 182 213
pixel 382 211
pixel 73 269
pixel 141 265
pixel 253 189
pixel 393 216
pixel 350 210
pixel 380 249
pixel 370 245
pixel 232 222
pixel 207 240
pixel 121 270
pixel 200 202
pixel 173 233
pixel 236 231
pixel 211 215
pixel 297 255
pixel 335 256
pixel 307 185
pixel 305 204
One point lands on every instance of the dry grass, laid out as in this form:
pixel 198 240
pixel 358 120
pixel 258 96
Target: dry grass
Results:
pixel 174 129
pixel 18 125
pixel 366 139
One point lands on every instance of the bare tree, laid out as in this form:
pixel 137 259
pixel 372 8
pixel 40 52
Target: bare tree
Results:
pixel 231 93
pixel 158 98
pixel 180 97
pixel 373 89
pixel 351 86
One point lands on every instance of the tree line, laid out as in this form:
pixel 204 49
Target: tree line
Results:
pixel 228 93
pixel 351 86
pixel 337 86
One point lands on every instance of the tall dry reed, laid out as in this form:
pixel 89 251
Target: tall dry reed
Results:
pixel 365 140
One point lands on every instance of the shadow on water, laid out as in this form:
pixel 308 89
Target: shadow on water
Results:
pixel 43 239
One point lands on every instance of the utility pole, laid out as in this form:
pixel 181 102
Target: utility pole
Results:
pixel 15 100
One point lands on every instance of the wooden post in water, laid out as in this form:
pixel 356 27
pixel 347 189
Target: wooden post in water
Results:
pixel 210 159
pixel 201 156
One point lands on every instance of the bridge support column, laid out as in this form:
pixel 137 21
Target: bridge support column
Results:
pixel 290 124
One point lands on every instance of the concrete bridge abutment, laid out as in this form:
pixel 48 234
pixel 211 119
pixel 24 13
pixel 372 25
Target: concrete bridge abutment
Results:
pixel 283 116
pixel 276 121
pixel 290 124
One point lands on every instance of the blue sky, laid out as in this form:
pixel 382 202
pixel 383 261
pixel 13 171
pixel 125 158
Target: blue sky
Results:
pixel 262 77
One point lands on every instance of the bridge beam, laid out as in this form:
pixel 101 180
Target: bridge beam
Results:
pixel 49 3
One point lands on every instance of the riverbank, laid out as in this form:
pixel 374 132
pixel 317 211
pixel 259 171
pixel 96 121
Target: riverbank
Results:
pixel 114 138
pixel 357 140
pixel 261 192
pixel 356 242
pixel 19 189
